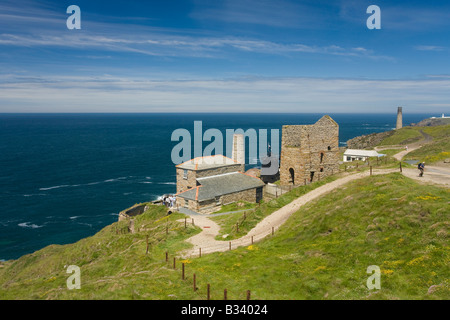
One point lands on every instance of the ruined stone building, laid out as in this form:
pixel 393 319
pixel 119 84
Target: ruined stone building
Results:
pixel 204 184
pixel 309 152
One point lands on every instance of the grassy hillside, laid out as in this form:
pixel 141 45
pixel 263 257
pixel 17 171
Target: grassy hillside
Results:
pixel 322 252
pixel 437 150
pixel 403 136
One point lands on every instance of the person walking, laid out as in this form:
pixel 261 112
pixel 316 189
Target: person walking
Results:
pixel 421 168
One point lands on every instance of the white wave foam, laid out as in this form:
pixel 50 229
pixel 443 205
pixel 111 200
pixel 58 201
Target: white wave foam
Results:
pixel 174 183
pixel 85 184
pixel 55 187
pixel 28 225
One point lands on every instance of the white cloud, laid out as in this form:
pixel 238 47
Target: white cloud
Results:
pixel 184 46
pixel 110 94
pixel 429 48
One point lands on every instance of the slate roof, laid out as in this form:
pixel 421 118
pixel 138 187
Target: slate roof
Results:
pixel 218 185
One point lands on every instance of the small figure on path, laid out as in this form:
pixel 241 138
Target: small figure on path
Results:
pixel 406 148
pixel 421 168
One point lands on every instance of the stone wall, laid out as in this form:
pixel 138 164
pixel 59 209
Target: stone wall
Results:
pixel 184 184
pixel 193 175
pixel 309 152
pixel 135 210
pixel 368 141
pixel 210 206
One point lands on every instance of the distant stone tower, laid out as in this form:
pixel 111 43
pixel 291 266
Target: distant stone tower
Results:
pixel 399 118
pixel 238 153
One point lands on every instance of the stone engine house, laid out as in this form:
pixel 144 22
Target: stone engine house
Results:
pixel 309 152
pixel 204 184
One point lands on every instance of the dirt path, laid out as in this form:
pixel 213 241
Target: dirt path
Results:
pixel 432 175
pixel 426 139
pixel 208 244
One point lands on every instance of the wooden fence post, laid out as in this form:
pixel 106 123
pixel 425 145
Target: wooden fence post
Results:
pixel 200 252
pixel 248 294
pixel 195 282
pixel 401 167
pixel 208 293
pixel 185 223
pixel 182 271
pixel 252 239
pixel 230 245
pixel 174 262
pixel 370 170
pixel 167 256
pixel 237 226
pixel 146 240
pixel 272 230
pixel 193 222
pixel 225 294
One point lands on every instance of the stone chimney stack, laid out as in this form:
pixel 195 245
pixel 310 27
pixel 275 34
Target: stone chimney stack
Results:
pixel 399 118
pixel 238 153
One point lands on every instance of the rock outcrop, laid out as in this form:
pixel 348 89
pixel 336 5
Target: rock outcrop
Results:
pixel 368 141
pixel 432 122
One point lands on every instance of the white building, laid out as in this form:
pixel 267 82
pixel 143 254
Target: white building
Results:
pixel 355 154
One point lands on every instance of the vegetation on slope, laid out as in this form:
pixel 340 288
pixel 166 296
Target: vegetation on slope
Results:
pixel 403 136
pixel 321 252
pixel 436 150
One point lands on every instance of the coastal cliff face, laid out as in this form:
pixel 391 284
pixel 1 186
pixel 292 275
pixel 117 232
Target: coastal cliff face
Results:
pixel 432 122
pixel 368 141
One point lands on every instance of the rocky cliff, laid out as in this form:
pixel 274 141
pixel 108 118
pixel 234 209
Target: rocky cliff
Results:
pixel 368 141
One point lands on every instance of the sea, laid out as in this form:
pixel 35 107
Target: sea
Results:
pixel 64 177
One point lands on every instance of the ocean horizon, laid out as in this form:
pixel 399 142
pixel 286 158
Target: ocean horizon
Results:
pixel 65 176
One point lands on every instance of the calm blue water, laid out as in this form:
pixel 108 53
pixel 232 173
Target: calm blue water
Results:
pixel 63 177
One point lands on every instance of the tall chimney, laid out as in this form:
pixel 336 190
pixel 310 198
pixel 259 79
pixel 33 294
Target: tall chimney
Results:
pixel 399 118
pixel 238 153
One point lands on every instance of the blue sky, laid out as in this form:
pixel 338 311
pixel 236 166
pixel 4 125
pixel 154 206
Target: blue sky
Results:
pixel 225 56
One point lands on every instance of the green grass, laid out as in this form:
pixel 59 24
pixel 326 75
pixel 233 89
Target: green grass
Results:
pixel 438 132
pixel 321 252
pixel 431 153
pixel 403 136
pixel 390 152
pixel 251 218
pixel 113 263
pixel 437 150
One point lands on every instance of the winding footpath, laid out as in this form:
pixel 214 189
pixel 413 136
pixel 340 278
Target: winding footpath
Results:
pixel 205 242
